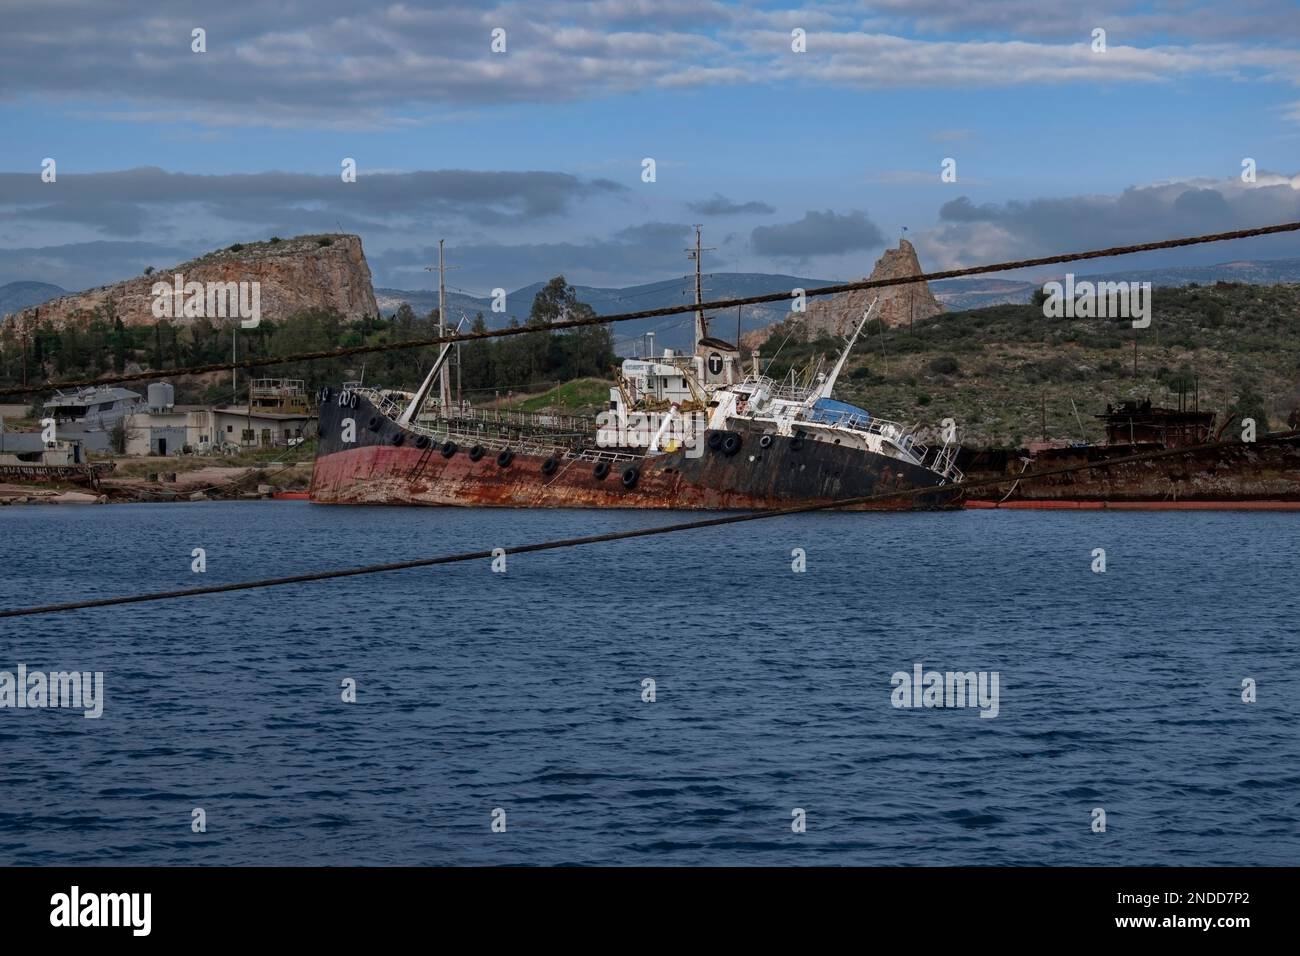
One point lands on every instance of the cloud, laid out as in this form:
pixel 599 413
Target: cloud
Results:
pixel 125 203
pixel 645 252
pixel 862 60
pixel 818 233
pixel 950 135
pixel 722 206
pixel 968 234
pixel 84 265
pixel 655 233
pixel 1067 19
pixel 330 64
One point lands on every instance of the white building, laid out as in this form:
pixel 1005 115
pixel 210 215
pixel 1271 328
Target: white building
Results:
pixel 163 428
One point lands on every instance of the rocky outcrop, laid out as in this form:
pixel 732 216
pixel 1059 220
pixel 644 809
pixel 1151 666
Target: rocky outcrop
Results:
pixel 293 275
pixel 899 304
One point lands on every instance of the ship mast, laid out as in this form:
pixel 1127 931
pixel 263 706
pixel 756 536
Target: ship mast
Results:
pixel 827 386
pixel 444 387
pixel 701 326
pixel 439 370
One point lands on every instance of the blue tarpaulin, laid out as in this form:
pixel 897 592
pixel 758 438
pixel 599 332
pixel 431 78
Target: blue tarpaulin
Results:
pixel 829 411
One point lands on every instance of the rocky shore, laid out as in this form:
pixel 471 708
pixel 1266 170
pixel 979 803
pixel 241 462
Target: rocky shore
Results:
pixel 202 484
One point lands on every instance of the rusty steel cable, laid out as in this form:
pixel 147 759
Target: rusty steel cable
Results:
pixel 652 313
pixel 608 536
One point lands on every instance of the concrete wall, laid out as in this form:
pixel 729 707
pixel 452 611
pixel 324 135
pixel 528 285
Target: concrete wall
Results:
pixel 145 430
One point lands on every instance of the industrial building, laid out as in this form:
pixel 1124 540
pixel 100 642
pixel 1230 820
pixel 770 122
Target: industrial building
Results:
pixel 277 416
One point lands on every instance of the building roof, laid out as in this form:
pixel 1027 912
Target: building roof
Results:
pixel 242 411
pixel 91 396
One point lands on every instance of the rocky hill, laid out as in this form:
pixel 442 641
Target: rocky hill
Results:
pixel 899 305
pixel 305 272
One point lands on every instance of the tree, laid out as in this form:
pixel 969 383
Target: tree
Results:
pixel 1250 404
pixel 117 436
pixel 477 359
pixel 120 341
pixel 584 351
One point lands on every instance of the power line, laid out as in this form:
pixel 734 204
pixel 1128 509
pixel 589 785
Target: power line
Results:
pixel 609 536
pixel 666 310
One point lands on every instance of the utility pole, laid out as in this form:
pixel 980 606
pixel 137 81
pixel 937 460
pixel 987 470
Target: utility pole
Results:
pixel 701 327
pixel 234 372
pixel 444 387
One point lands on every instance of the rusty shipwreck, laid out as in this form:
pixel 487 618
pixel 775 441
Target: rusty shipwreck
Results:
pixel 1261 473
pixel 681 431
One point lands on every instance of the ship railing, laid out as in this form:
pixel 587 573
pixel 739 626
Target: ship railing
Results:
pixel 788 393
pixel 535 420
pixel 384 403
pixel 900 435
pixel 945 463
pixel 549 435
pixel 562 424
pixel 600 454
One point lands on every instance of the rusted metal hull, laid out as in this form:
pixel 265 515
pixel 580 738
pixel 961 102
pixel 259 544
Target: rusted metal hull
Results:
pixel 1265 471
pixel 41 474
pixel 384 466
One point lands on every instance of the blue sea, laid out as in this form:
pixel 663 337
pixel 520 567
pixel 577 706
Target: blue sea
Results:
pixel 520 697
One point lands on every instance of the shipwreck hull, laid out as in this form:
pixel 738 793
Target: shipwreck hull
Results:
pixel 385 465
pixel 1267 470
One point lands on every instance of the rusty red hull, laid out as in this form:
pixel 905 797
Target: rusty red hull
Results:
pixel 1266 472
pixel 1059 505
pixel 384 465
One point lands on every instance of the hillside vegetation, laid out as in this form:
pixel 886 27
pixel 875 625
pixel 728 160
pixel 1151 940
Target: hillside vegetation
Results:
pixel 991 369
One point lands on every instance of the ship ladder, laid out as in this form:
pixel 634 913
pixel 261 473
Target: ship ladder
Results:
pixel 418 468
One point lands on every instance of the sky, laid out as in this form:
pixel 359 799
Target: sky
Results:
pixel 530 160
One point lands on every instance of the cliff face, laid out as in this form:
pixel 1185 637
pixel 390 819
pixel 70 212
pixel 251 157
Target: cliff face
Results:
pixel 837 314
pixel 292 275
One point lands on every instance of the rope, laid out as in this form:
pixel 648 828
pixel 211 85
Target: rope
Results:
pixel 600 538
pixel 654 313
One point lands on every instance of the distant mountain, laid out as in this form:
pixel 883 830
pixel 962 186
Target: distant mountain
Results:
pixel 958 295
pixel 16 296
pixel 672 331
pixel 1251 272
pixel 979 292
